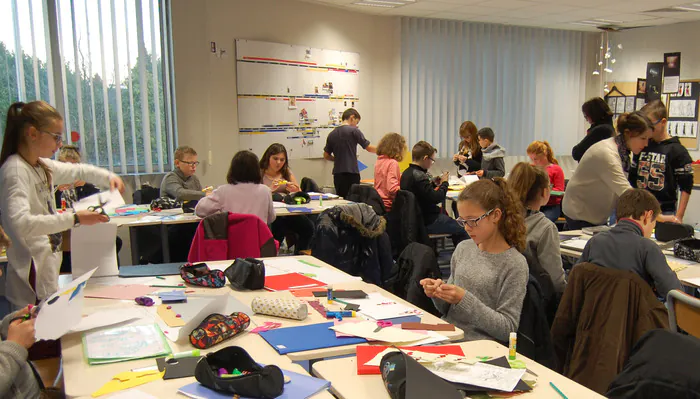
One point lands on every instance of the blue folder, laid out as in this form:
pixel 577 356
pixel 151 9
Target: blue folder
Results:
pixel 305 338
pixel 160 269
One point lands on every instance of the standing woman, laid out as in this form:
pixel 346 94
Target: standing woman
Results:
pixel 598 114
pixel 468 159
pixel 276 174
pixel 541 154
pixel 33 133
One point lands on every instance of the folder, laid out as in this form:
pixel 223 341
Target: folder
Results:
pixel 305 338
pixel 161 269
pixel 284 282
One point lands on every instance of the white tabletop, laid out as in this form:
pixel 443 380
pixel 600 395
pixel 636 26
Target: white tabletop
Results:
pixel 346 384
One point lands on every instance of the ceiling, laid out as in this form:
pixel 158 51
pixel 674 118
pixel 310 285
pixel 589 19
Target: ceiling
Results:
pixel 582 15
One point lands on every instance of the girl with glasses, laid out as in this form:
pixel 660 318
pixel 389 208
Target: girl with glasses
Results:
pixel 488 275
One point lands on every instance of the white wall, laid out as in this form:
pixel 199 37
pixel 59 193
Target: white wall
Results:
pixel 206 85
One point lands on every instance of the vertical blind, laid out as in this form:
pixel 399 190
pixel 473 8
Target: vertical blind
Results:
pixel 525 83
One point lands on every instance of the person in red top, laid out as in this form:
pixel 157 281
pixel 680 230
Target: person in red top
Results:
pixel 387 174
pixel 541 154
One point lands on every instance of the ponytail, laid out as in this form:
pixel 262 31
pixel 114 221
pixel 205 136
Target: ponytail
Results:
pixel 542 148
pixel 491 194
pixel 528 182
pixel 550 153
pixel 634 123
pixel 13 131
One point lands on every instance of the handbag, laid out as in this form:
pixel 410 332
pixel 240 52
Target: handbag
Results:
pixel 248 273
pixel 201 275
pixel 255 381
pixel 688 249
pixel 299 198
pixel 165 203
pixel 673 231
pixel 217 328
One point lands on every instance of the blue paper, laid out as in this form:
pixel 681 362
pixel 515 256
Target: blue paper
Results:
pixel 404 319
pixel 172 296
pixel 299 387
pixel 304 338
pixel 161 269
pixel 300 209
pixel 361 166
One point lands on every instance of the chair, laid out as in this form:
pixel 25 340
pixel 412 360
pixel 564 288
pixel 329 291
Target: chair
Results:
pixel 683 312
pixel 226 235
pixel 534 337
pixel 308 185
pixel 367 195
pixel 405 223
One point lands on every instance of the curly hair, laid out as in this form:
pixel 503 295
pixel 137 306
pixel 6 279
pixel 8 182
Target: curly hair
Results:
pixel 491 194
pixel 392 145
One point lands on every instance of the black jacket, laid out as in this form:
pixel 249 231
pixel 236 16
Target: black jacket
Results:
pixel 595 134
pixel 405 223
pixel 367 195
pixel 416 262
pixel 534 337
pixel 428 195
pixel 80 192
pixel 353 239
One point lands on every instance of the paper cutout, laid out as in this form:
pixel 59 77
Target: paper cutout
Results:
pixel 267 326
pixel 172 296
pixel 94 246
pixel 125 292
pixel 366 329
pixel 428 327
pixel 107 317
pixel 60 312
pixel 169 316
pixel 126 380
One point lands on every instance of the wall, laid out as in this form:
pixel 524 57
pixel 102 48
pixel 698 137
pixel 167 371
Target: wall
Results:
pixel 206 85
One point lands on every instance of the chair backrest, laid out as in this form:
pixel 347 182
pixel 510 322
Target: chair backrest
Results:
pixel 226 235
pixel 308 185
pixel 146 194
pixel 405 223
pixel 683 312
pixel 367 195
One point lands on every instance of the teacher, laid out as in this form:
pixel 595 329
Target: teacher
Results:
pixel 596 112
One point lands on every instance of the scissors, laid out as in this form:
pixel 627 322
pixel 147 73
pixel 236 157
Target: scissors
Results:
pixel 383 324
pixel 99 208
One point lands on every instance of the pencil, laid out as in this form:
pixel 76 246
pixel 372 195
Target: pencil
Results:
pixel 558 391
pixel 167 286
pixel 308 263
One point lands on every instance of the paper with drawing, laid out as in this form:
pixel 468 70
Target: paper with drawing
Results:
pixel 61 311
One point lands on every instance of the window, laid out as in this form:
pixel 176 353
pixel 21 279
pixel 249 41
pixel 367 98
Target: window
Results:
pixel 106 65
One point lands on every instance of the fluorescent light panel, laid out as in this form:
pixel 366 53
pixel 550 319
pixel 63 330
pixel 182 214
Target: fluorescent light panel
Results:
pixel 384 3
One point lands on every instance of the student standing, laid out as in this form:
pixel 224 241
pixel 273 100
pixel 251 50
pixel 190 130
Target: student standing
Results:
pixel 278 176
pixel 341 148
pixel 33 133
pixel 468 158
pixel 664 165
pixel 492 161
pixel 387 173
pixel 488 276
pixel 541 154
pixel 596 112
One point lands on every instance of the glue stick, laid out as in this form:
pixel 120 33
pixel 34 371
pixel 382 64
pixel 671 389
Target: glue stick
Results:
pixel 512 345
pixel 329 294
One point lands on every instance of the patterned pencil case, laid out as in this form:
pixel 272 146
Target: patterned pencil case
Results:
pixel 287 308
pixel 217 328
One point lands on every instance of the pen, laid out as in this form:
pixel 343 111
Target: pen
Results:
pixel 167 286
pixel 558 391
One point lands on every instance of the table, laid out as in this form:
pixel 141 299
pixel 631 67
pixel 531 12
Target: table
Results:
pixel 346 384
pixel 81 379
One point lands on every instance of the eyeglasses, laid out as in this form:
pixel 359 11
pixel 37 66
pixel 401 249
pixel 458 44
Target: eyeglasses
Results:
pixel 657 122
pixel 473 222
pixel 195 163
pixel 432 159
pixel 56 136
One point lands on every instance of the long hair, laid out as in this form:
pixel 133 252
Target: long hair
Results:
pixel 635 123
pixel 598 111
pixel 542 148
pixel 392 145
pixel 468 129
pixel 491 194
pixel 528 181
pixel 275 149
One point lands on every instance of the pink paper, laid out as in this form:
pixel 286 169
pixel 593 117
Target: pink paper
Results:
pixel 128 292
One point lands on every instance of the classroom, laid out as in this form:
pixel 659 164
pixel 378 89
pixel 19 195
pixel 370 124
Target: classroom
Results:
pixel 349 199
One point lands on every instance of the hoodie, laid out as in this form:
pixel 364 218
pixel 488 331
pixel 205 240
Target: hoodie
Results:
pixel 492 162
pixel 543 254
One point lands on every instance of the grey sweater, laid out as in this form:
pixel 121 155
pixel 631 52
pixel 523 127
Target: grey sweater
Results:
pixel 495 286
pixel 176 185
pixel 16 377
pixel 493 163
pixel 625 248
pixel 543 254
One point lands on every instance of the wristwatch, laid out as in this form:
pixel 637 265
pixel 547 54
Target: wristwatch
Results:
pixel 76 220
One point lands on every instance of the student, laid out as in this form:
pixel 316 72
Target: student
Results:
pixel 627 245
pixel 600 178
pixel 17 376
pixel 469 156
pixel 341 148
pixel 244 192
pixel 33 134
pixel 387 174
pixel 488 276
pixel 664 165
pixel 276 174
pixel 531 185
pixel 78 189
pixel 596 112
pixel 430 192
pixel 492 162
pixel 541 154
pixel 182 184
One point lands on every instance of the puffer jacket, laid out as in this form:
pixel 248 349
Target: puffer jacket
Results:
pixel 352 238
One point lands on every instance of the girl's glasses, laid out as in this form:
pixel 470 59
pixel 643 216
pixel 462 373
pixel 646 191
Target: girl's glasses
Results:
pixel 473 222
pixel 56 136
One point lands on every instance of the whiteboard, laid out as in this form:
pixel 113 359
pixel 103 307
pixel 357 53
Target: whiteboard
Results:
pixel 293 95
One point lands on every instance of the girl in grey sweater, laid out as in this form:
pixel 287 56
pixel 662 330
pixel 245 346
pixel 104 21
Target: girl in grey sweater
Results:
pixel 486 288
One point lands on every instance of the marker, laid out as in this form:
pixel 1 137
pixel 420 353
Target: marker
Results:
pixel 343 302
pixel 308 263
pixel 160 277
pixel 180 355
pixel 340 314
pixel 557 389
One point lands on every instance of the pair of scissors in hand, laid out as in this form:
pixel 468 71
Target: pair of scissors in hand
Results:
pixel 383 324
pixel 99 208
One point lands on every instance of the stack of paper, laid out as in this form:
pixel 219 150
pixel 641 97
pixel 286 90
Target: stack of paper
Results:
pixel 394 334
pixel 379 307
pixel 125 343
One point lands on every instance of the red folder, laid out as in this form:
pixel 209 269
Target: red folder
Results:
pixel 365 353
pixel 284 282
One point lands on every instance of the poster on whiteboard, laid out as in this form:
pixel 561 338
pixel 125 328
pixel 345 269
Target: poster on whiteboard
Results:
pixel 293 95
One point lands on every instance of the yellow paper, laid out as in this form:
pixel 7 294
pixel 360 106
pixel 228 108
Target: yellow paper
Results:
pixel 403 165
pixel 128 379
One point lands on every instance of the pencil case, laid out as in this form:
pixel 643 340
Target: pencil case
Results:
pixel 201 275
pixel 287 308
pixel 217 328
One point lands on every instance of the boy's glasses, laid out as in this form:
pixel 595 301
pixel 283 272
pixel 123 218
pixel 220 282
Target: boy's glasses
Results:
pixel 56 136
pixel 473 222
pixel 195 163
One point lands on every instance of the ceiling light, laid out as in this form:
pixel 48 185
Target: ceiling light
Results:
pixel 596 72
pixel 374 5
pixel 384 3
pixel 608 70
pixel 612 61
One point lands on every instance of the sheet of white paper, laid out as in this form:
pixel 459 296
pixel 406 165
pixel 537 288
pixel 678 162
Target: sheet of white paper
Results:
pixel 62 310
pixel 113 200
pixel 107 317
pixel 132 394
pixel 276 205
pixel 366 329
pixel 455 181
pixel 379 307
pixel 469 179
pixel 94 246
pixel 671 84
pixel 575 243
pixel 479 374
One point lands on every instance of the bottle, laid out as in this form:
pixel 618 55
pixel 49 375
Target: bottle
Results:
pixel 512 345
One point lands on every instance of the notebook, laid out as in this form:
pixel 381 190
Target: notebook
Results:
pixel 304 338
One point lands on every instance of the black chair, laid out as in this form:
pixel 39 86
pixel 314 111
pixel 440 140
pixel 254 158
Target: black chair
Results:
pixel 405 223
pixel 308 185
pixel 367 195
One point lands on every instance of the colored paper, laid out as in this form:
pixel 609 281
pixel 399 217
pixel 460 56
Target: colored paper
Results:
pixel 365 353
pixel 288 281
pixel 427 327
pixel 60 312
pixel 126 380
pixel 308 337
pixel 361 166
pixel 300 209
pixel 421 356
pixel 94 247
pixel 172 296
pixel 169 316
pixel 151 270
pixel 125 292
pixel 367 329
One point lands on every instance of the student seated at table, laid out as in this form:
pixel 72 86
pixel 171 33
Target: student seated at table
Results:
pixel 387 174
pixel 488 275
pixel 492 160
pixel 627 245
pixel 182 184
pixel 531 185
pixel 244 192
pixel 430 192
pixel 17 377
pixel 541 154
pixel 277 175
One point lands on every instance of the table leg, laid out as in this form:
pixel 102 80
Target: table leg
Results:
pixel 165 243
pixel 134 245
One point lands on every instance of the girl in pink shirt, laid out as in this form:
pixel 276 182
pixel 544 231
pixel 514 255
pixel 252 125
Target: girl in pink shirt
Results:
pixel 541 154
pixel 387 175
